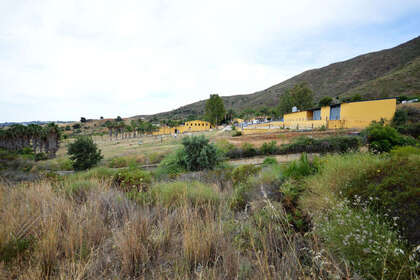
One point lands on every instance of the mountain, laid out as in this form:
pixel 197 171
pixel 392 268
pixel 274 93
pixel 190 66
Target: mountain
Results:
pixel 385 73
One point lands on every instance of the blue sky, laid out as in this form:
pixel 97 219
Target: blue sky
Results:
pixel 60 60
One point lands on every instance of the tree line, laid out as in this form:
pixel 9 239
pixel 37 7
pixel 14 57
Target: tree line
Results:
pixel 136 127
pixel 41 139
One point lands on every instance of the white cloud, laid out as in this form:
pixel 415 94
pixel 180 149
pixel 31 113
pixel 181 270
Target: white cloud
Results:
pixel 65 59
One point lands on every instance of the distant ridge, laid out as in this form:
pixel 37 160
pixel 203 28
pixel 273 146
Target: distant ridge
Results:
pixel 385 73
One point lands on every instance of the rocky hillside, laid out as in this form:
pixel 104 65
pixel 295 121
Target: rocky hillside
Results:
pixel 385 73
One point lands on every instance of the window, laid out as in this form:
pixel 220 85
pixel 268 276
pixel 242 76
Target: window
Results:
pixel 317 115
pixel 335 112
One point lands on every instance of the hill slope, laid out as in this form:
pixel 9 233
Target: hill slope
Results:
pixel 388 72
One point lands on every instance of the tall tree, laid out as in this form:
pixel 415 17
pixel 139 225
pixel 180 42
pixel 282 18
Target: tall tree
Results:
pixel 300 96
pixel 215 109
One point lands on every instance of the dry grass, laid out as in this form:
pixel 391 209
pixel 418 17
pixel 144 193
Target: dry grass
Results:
pixel 49 232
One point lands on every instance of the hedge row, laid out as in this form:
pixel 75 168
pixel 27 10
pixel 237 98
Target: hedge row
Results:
pixel 338 144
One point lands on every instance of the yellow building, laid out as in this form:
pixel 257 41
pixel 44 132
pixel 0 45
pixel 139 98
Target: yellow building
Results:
pixel 191 126
pixel 345 115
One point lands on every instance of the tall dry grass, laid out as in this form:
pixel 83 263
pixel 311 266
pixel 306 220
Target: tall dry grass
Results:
pixel 90 230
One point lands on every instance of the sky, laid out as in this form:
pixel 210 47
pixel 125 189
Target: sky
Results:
pixel 61 60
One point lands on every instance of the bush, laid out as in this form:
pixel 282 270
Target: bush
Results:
pixel 392 185
pixel 248 150
pixel 171 165
pixel 364 239
pixel 270 161
pixel 84 153
pixel 241 173
pixel 298 169
pixel 340 144
pixel 237 133
pixel 382 138
pixel 269 148
pixel 198 154
pixel 132 179
pixel 40 156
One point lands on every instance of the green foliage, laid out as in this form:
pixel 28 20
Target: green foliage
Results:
pixel 269 148
pixel 132 179
pixel 177 194
pixel 100 173
pixel 198 154
pixel 215 109
pixel 325 101
pixel 236 133
pixel 78 188
pixel 341 144
pixel 366 241
pixel 407 121
pixel 241 173
pixel 224 146
pixel 171 165
pixel 270 161
pixel 84 153
pixel 40 156
pixel 300 96
pixel 240 197
pixel 76 126
pixel 382 138
pixel 298 169
pixel 14 247
pixel 248 150
pixel 392 185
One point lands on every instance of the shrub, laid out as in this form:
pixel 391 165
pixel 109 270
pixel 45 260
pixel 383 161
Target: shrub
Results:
pixel 248 150
pixel 269 148
pixel 298 169
pixel 26 151
pixel 412 129
pixel 132 179
pixel 391 185
pixel 84 153
pixel 224 146
pixel 364 239
pixel 382 138
pixel 171 165
pixel 198 154
pixel 241 173
pixel 341 144
pixel 270 161
pixel 118 162
pixel 236 133
pixel 40 156
pixel 240 197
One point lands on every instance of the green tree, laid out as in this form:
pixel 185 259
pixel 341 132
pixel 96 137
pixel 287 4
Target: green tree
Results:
pixel 198 154
pixel 325 101
pixel 300 96
pixel 215 109
pixel 84 153
pixel 286 103
pixel 119 119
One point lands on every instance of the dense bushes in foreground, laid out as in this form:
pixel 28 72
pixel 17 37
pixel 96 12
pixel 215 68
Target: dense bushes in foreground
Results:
pixel 310 219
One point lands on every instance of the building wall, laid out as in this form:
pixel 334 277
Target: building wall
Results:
pixel 191 126
pixel 297 116
pixel 352 115
pixel 196 125
pixel 361 114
